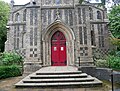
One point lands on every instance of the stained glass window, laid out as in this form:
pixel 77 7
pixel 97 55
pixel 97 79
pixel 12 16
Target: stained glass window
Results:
pixel 92 35
pixel 85 35
pixel 99 16
pixel 66 16
pixel 16 36
pixel 17 17
pixel 70 17
pixel 35 36
pixel 84 15
pixel 49 16
pixel 31 37
pixel 31 16
pixel 81 35
pixel 79 16
pixel 102 40
pixel 22 41
pixel 44 15
pixel 24 15
pixel 90 13
pixel 15 30
pixel 17 43
pixel 18 31
pixel 24 30
pixel 101 35
pixel 36 16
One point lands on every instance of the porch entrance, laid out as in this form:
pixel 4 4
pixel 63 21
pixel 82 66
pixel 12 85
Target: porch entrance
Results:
pixel 58 49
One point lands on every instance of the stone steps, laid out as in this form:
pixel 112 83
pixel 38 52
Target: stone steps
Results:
pixel 58 78
pixel 83 75
pixel 73 84
pixel 58 73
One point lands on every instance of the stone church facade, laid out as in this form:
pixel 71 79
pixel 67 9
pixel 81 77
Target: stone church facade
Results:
pixel 45 32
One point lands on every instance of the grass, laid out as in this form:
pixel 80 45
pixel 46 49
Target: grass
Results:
pixel 109 85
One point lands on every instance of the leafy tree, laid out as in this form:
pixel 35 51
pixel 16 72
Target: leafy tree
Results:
pixel 4 13
pixel 114 17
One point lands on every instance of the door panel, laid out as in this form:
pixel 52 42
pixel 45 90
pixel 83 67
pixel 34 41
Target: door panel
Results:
pixel 58 49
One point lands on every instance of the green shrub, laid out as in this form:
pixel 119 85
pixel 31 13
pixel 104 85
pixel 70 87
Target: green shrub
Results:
pixel 102 63
pixel 9 71
pixel 110 62
pixel 114 62
pixel 114 52
pixel 10 58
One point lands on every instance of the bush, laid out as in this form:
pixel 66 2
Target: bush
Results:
pixel 115 53
pixel 114 62
pixel 10 58
pixel 111 61
pixel 102 63
pixel 9 71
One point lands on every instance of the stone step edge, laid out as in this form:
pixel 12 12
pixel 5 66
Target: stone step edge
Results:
pixel 33 76
pixel 57 80
pixel 60 73
pixel 79 84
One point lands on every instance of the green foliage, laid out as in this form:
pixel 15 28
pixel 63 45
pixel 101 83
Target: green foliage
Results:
pixel 111 61
pixel 9 71
pixel 114 62
pixel 102 63
pixel 114 53
pixel 4 14
pixel 114 17
pixel 10 63
pixel 10 58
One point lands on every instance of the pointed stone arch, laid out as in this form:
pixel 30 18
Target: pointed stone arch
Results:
pixel 46 38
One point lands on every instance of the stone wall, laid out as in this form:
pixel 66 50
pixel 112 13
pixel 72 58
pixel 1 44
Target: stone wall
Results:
pixel 101 73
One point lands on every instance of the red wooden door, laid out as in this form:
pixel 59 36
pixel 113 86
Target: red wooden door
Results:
pixel 58 49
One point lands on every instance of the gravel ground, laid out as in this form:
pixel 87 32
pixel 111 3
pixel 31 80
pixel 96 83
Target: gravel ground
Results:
pixel 8 85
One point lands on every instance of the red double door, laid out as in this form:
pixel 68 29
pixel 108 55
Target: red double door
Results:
pixel 58 49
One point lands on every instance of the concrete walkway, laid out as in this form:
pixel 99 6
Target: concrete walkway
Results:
pixel 58 69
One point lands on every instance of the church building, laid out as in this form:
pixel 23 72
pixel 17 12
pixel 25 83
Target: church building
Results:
pixel 57 32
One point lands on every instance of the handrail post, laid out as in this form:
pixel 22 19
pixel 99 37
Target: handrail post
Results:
pixel 79 61
pixel 112 80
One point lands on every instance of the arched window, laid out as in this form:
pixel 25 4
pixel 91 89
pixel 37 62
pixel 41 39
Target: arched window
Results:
pixel 99 16
pixel 17 17
pixel 24 15
pixel 91 13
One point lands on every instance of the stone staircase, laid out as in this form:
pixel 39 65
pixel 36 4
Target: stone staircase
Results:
pixel 58 76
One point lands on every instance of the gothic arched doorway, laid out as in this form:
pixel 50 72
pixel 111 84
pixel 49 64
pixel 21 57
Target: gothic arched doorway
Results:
pixel 58 49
